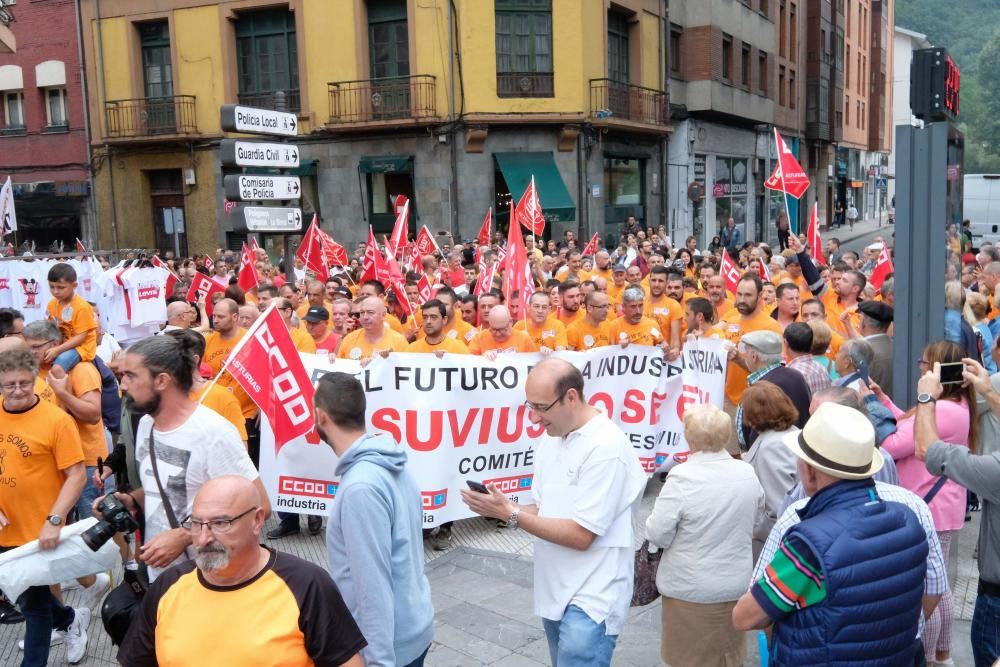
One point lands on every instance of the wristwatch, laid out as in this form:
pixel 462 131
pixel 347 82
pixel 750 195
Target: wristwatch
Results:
pixel 54 519
pixel 925 398
pixel 512 521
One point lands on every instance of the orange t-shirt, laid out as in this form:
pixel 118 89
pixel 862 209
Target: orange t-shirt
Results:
pixel 834 309
pixel 222 401
pixel 733 326
pixel 552 334
pixel 303 341
pixel 75 318
pixel 518 342
pixel 646 332
pixel 38 444
pixel 459 330
pixel 581 335
pixel 356 346
pixel 664 310
pixel 83 378
pixel 721 309
pixel 217 350
pixel 568 318
pixel 447 344
pixel 615 293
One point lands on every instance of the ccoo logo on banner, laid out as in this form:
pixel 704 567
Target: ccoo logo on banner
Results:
pixel 463 417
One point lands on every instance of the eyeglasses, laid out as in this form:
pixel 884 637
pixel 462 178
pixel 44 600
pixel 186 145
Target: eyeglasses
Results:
pixel 922 362
pixel 215 525
pixel 545 408
pixel 14 386
pixel 596 307
pixel 39 346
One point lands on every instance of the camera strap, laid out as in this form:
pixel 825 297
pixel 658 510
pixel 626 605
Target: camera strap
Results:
pixel 171 517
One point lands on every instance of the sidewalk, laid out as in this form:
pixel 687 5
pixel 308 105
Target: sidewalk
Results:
pixel 861 228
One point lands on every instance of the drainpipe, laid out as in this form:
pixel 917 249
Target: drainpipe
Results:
pixel 582 198
pixel 92 200
pixel 103 98
pixel 664 46
pixel 453 190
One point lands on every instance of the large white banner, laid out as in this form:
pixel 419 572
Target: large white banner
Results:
pixel 463 418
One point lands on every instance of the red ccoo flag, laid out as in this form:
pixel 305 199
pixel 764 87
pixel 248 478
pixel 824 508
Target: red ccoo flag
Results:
pixel 486 231
pixel 425 242
pixel 254 246
pixel 591 247
pixel 788 175
pixel 203 287
pixel 372 255
pixel 517 276
pixel 529 210
pixel 883 268
pixel 311 252
pixel 247 277
pixel 765 272
pixel 812 236
pixel 397 241
pixel 268 367
pixel 730 271
pixel 424 289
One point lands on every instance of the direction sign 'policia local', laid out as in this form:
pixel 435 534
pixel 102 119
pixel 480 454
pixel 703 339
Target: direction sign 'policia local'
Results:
pixel 236 153
pixel 236 118
pixel 260 188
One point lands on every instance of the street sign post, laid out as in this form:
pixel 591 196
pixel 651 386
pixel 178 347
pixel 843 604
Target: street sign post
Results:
pixel 236 153
pixel 236 118
pixel 261 188
pixel 273 219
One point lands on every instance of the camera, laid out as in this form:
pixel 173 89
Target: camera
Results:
pixel 116 519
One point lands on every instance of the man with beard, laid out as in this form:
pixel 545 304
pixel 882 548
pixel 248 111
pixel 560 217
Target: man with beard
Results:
pixel 570 300
pixel 290 606
pixel 749 315
pixel 191 444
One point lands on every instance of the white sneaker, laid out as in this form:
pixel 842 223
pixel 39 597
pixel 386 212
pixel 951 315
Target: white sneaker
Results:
pixel 91 596
pixel 76 635
pixel 56 640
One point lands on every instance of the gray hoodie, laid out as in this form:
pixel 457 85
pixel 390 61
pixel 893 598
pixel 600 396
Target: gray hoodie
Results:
pixel 375 547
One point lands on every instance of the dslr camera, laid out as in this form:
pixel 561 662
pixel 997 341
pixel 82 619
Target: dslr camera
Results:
pixel 116 519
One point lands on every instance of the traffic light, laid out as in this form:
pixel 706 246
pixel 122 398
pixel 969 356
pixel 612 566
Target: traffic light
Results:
pixel 934 85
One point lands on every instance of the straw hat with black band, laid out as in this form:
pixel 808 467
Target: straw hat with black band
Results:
pixel 838 441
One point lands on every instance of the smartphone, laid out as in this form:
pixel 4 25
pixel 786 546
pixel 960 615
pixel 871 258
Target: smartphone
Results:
pixel 478 487
pixel 952 373
pixel 864 373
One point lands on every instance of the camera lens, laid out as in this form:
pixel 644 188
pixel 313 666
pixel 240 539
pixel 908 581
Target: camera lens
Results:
pixel 97 535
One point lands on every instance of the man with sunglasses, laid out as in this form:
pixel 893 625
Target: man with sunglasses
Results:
pixel 290 607
pixel 586 481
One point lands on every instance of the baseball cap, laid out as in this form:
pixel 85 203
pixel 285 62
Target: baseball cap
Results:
pixel 317 314
pixel 618 267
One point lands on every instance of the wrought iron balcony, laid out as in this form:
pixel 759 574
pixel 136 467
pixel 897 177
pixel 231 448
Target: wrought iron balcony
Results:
pixel 611 100
pixel 147 117
pixel 398 98
pixel 275 100
pixel 525 84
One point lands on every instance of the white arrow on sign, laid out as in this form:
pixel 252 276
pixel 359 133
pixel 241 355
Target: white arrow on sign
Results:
pixel 236 118
pixel 273 219
pixel 236 153
pixel 261 188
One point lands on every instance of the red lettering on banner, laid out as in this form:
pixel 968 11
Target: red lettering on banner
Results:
pixel 462 433
pixel 301 486
pixel 648 463
pixel 433 438
pixel 632 410
pixel 601 397
pixel 147 293
pixel 689 394
pixel 385 420
pixel 4 283
pixel 486 425
pixel 655 403
pixel 511 484
pixel 510 427
pixel 510 436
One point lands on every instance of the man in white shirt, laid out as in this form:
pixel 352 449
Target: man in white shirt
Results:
pixel 587 479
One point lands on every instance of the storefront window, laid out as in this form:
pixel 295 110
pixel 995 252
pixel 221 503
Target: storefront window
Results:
pixel 623 181
pixel 731 191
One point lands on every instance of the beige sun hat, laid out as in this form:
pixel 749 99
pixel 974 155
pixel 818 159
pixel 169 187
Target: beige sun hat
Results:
pixel 839 441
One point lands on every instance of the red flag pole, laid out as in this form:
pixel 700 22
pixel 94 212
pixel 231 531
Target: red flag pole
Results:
pixel 239 346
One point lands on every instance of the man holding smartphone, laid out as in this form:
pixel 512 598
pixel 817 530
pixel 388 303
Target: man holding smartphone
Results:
pixel 586 481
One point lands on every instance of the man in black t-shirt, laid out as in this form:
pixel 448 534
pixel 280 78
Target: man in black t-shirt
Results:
pixel 239 603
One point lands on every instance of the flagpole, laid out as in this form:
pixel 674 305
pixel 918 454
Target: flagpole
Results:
pixel 239 346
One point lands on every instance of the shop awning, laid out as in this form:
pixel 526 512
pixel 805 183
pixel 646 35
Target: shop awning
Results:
pixel 857 184
pixel 517 170
pixel 385 164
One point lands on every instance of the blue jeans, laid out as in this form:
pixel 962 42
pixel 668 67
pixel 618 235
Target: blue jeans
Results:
pixel 67 359
pixel 986 630
pixel 84 504
pixel 42 612
pixel 576 641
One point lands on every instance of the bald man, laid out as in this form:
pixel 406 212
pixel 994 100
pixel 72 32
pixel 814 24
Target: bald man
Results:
pixel 374 336
pixel 248 314
pixel 290 606
pixel 582 449
pixel 178 316
pixel 499 336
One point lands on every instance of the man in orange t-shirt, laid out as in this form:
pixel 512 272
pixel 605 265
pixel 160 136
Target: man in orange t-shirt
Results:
pixel 748 315
pixel 719 296
pixel 632 326
pixel 499 336
pixel 591 331
pixel 435 339
pixel 569 302
pixel 218 346
pixel 666 311
pixel 374 336
pixel 545 330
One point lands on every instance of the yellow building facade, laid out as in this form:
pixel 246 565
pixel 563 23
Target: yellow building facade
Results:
pixel 455 105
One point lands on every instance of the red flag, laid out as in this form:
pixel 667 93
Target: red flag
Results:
pixel 485 281
pixel 529 210
pixel 812 235
pixel 424 289
pixel 254 246
pixel 731 271
pixel 486 231
pixel 517 276
pixel 591 248
pixel 208 263
pixel 203 286
pixel 268 367
pixel 334 253
pixel 311 251
pixel 371 256
pixel 765 272
pixel 171 279
pixel 413 259
pixel 247 277
pixel 883 267
pixel 80 247
pixel 425 242
pixel 397 242
pixel 788 176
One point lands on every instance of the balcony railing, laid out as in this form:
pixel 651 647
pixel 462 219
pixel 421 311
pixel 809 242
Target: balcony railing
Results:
pixel 393 98
pixel 611 99
pixel 525 84
pixel 275 100
pixel 150 117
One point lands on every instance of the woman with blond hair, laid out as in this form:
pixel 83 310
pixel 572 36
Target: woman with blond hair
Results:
pixel 977 309
pixel 703 519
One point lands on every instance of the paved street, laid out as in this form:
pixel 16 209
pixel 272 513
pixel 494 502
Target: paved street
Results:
pixel 483 602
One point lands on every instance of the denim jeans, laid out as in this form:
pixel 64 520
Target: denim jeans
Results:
pixel 87 497
pixel 577 641
pixel 986 630
pixel 67 359
pixel 42 612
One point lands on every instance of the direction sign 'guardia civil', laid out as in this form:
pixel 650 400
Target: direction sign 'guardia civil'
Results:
pixel 236 118
pixel 273 219
pixel 260 188
pixel 236 153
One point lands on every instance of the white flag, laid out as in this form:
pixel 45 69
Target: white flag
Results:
pixel 7 214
